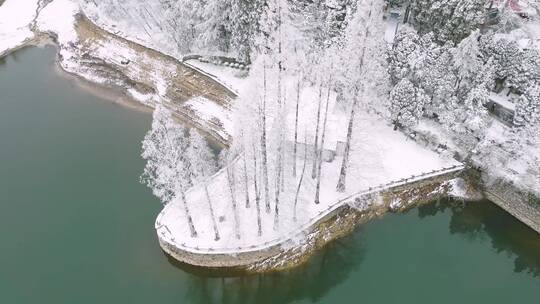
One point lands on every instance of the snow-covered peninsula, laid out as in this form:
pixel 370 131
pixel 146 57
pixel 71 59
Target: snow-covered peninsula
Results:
pixel 327 114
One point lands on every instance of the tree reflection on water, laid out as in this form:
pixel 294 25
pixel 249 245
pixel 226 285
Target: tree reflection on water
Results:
pixel 312 281
pixel 331 266
pixel 484 219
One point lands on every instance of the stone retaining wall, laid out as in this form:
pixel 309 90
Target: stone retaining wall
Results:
pixel 523 206
pixel 335 224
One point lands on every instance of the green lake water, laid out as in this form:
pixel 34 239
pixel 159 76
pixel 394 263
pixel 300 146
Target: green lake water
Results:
pixel 77 227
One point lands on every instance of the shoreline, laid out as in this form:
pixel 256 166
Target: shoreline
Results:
pixel 116 93
pixel 332 226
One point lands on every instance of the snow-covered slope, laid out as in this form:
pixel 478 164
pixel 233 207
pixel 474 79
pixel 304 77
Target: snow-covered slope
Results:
pixel 16 17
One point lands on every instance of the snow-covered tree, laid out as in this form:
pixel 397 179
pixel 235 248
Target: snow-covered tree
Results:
pixel 362 56
pixel 338 17
pixel 467 58
pixel 323 138
pixel 527 71
pixel 322 22
pixel 506 55
pixel 400 56
pixel 244 26
pixel 450 20
pixel 528 106
pixel 213 28
pixel 406 103
pixel 434 74
pixel 167 170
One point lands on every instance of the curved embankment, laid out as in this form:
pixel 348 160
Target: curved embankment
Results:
pixel 339 220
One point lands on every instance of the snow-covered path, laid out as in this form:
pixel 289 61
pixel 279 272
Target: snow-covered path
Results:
pixel 284 238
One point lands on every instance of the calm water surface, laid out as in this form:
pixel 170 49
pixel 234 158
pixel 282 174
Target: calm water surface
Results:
pixel 77 227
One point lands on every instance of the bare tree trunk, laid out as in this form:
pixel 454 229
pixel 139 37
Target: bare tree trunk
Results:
pixel 277 188
pixel 345 162
pixel 263 146
pixel 257 195
pixel 318 189
pixel 276 194
pixel 280 104
pixel 280 53
pixel 296 127
pixel 214 224
pixel 316 143
pixel 301 179
pixel 246 188
pixel 188 215
pixel 231 181
pixel 340 187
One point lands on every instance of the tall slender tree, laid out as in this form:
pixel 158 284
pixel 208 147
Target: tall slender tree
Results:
pixel 316 139
pixel 257 192
pixel 366 24
pixel 202 167
pixel 295 144
pixel 323 137
pixel 229 164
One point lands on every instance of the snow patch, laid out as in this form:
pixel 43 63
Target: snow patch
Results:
pixel 16 17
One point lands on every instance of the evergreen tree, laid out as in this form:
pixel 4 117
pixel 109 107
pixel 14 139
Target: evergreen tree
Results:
pixel 450 20
pixel 244 26
pixel 406 103
pixel 400 56
pixel 528 107
pixel 214 26
pixel 527 71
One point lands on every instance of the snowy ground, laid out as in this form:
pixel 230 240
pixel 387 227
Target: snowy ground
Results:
pixel 380 156
pixel 16 17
